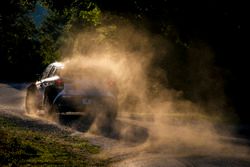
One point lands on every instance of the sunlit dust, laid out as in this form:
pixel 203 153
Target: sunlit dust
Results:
pixel 162 116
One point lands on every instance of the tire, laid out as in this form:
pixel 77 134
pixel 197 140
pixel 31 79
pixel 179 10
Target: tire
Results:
pixel 31 103
pixel 47 106
pixel 49 95
pixel 105 116
pixel 50 109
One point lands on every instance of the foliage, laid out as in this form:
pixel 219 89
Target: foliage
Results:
pixel 83 14
pixel 27 49
pixel 19 45
pixel 20 146
pixel 49 33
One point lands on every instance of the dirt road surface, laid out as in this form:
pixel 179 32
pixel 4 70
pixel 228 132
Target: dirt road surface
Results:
pixel 124 150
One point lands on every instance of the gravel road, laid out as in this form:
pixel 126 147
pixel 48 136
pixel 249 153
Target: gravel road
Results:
pixel 131 144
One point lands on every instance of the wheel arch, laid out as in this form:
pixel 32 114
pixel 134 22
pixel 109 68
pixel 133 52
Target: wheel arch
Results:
pixel 50 93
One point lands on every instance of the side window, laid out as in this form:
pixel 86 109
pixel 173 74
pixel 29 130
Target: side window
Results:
pixel 46 72
pixel 57 72
pixel 52 71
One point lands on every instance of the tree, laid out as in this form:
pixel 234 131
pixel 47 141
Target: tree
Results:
pixel 17 37
pixel 27 49
pixel 65 17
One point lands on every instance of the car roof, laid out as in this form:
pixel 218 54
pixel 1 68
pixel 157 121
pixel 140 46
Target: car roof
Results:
pixel 58 64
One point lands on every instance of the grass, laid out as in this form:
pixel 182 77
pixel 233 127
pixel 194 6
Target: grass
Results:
pixel 23 147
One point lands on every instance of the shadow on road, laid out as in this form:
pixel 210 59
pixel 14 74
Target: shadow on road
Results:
pixel 18 86
pixel 119 130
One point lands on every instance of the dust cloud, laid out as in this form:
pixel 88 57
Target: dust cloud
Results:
pixel 173 123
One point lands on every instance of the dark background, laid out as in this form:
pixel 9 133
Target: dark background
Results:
pixel 222 25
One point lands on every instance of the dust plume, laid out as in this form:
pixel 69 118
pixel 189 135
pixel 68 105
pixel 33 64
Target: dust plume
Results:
pixel 173 122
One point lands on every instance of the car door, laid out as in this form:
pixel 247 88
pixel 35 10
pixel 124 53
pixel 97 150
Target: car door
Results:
pixel 43 82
